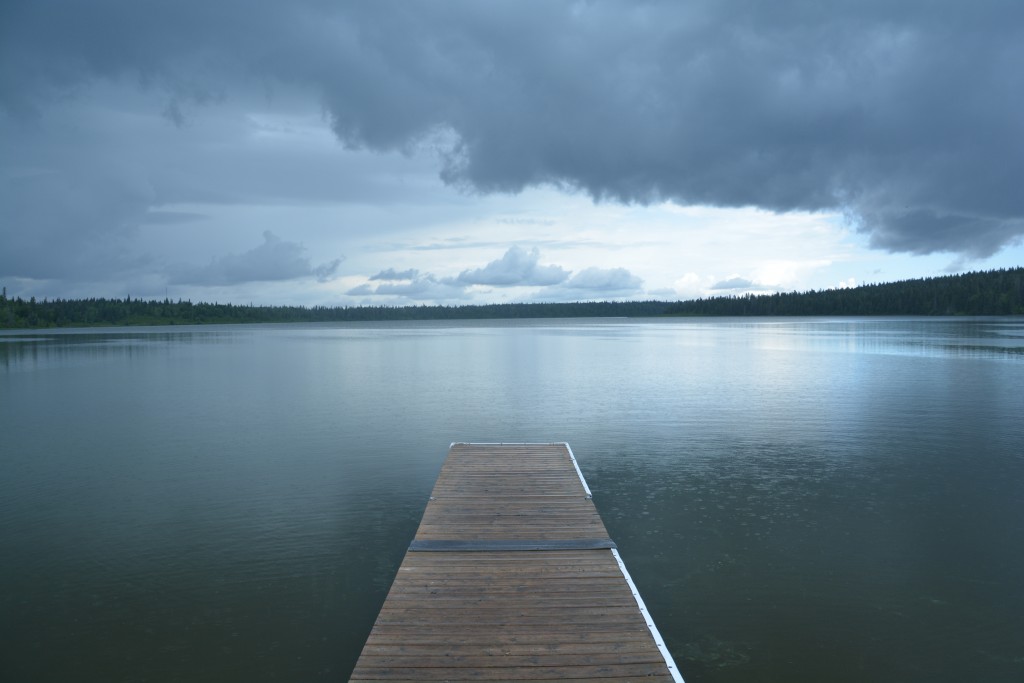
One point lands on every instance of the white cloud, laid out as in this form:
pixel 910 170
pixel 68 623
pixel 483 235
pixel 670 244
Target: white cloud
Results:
pixel 605 280
pixel 418 288
pixel 517 267
pixel 688 286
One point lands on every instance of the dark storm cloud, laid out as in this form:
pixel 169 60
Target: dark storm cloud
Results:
pixel 274 260
pixel 905 114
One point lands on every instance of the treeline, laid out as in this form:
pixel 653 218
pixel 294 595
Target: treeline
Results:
pixel 996 292
pixel 17 313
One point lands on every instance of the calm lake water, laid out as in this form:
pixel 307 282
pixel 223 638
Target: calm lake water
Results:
pixel 797 499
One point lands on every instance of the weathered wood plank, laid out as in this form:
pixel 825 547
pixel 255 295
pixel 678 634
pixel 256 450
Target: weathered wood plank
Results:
pixel 628 679
pixel 504 659
pixel 489 590
pixel 514 648
pixel 523 673
pixel 563 639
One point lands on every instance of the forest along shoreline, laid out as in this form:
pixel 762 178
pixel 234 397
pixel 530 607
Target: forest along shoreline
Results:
pixel 994 292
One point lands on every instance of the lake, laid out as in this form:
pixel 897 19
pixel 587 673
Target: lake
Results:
pixel 797 499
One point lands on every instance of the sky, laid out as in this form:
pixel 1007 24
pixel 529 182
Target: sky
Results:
pixel 318 152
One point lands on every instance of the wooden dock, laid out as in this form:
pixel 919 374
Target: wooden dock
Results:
pixel 512 577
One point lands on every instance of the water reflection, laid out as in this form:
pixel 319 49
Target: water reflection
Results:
pixel 797 499
pixel 59 348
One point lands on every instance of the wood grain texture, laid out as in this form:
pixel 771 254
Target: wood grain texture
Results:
pixel 521 614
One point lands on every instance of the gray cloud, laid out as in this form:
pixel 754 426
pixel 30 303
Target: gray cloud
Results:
pixel 170 217
pixel 77 186
pixel 742 284
pixel 592 284
pixel 734 283
pixel 274 260
pixel 392 274
pixel 904 114
pixel 70 223
pixel 518 267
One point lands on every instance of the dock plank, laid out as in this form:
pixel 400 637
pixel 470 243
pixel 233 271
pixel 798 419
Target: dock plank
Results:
pixel 496 586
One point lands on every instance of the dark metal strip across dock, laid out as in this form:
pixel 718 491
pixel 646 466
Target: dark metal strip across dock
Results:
pixel 512 577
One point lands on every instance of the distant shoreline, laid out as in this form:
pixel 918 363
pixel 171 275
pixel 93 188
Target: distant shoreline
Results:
pixel 995 292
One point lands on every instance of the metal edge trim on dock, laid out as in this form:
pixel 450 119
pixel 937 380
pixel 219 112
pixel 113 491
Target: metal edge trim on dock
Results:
pixel 578 471
pixel 658 640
